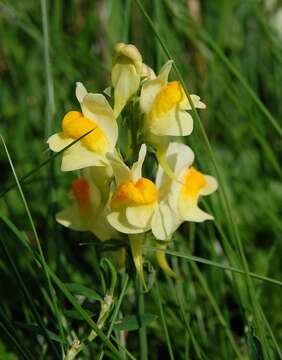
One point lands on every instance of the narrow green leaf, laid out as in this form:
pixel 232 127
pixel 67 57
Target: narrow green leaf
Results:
pixel 134 322
pixel 217 265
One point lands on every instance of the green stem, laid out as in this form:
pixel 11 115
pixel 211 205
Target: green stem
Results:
pixel 142 331
pixel 104 313
pixel 76 346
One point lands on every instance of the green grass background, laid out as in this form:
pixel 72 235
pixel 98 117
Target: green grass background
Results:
pixel 232 58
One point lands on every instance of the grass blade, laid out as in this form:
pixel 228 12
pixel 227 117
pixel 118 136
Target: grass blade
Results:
pixel 217 265
pixel 160 305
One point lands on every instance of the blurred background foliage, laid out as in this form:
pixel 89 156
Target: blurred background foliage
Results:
pixel 207 39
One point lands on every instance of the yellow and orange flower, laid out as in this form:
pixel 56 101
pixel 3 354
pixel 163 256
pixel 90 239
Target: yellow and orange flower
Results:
pixel 133 204
pixel 134 199
pixel 165 107
pixel 91 150
pixel 90 206
pixel 181 197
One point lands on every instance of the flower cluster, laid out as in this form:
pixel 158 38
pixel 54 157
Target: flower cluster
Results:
pixel 111 198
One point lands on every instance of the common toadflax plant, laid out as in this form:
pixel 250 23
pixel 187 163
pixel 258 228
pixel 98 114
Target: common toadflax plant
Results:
pixel 115 197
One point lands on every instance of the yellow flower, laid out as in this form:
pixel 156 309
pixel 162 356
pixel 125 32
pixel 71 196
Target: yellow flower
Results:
pixel 90 205
pixel 133 203
pixel 134 199
pixel 126 74
pixel 90 150
pixel 165 107
pixel 182 196
pixel 178 199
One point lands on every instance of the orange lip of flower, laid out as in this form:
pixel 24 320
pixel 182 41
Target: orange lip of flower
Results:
pixel 129 193
pixel 167 99
pixel 194 181
pixel 75 125
pixel 81 192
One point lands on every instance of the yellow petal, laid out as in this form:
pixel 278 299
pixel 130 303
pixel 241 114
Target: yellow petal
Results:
pixel 148 72
pixel 126 73
pixel 75 125
pixel 140 216
pixel 136 170
pixel 167 99
pixel 149 91
pixel 101 227
pixel 78 157
pixel 96 108
pixel 119 221
pixel 173 195
pixel 130 52
pixel 193 183
pixel 193 213
pixel 165 70
pixel 210 187
pixel 70 218
pixel 100 176
pixel 176 122
pixel 164 222
pixel 151 88
pixel 121 171
pixel 198 104
pixel 173 158
pixel 59 141
pixel 80 91
pixel 162 159
pixel 178 157
pixel 126 85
